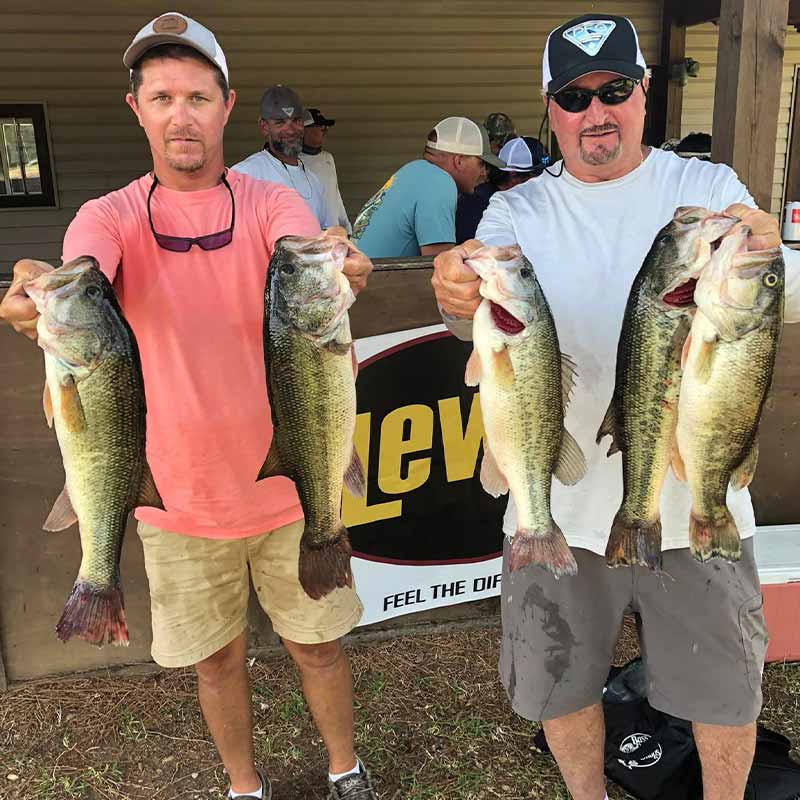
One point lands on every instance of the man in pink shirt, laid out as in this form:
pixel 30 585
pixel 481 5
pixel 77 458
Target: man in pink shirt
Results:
pixel 187 247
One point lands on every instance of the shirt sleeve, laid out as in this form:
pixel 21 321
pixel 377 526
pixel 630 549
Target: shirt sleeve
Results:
pixel 731 190
pixel 496 227
pixel 95 232
pixel 435 212
pixel 287 214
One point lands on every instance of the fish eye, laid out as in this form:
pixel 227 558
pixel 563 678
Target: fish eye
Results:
pixel 525 273
pixel 287 268
pixel 770 279
pixel 92 291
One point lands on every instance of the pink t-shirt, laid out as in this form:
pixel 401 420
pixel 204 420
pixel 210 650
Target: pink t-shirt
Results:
pixel 198 319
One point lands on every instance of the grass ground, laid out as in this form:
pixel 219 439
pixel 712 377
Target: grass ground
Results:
pixel 432 723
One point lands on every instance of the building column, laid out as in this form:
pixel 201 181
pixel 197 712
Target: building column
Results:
pixel 747 95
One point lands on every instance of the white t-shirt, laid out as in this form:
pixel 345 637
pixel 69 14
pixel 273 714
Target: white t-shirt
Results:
pixel 324 167
pixel 586 242
pixel 264 166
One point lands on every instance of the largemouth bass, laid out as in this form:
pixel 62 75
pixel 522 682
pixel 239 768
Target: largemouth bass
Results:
pixel 525 385
pixel 95 397
pixel 729 360
pixel 643 412
pixel 311 387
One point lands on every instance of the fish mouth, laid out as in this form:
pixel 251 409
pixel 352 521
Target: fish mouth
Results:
pixel 681 296
pixel 504 320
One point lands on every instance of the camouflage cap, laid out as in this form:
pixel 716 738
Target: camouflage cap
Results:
pixel 500 126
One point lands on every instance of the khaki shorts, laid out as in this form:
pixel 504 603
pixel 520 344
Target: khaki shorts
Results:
pixel 702 633
pixel 199 590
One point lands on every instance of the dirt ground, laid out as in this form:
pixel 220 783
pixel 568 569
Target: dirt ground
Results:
pixel 432 723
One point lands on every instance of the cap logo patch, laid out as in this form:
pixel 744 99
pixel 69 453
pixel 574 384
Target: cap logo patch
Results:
pixel 170 23
pixel 590 36
pixel 288 111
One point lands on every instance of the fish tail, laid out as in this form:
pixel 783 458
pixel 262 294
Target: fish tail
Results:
pixel 634 543
pixel 547 549
pixel 709 538
pixel 94 614
pixel 325 567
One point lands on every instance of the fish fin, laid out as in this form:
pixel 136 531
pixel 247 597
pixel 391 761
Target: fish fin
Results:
pixel 340 348
pixel 634 543
pixel 714 538
pixel 503 368
pixel 94 614
pixel 62 515
pixel 272 464
pixel 472 374
pixel 341 339
pixel 547 549
pixel 71 406
pixel 705 360
pixel 569 373
pixel 571 465
pixel 609 427
pixel 355 477
pixel 148 492
pixel 323 568
pixel 47 404
pixel 677 464
pixel 492 480
pixel 743 474
pixel 687 346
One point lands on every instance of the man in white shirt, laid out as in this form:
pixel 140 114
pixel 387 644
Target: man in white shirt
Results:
pixel 281 125
pixel 322 164
pixel 586 226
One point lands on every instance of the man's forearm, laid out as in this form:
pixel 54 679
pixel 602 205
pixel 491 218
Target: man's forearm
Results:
pixel 460 328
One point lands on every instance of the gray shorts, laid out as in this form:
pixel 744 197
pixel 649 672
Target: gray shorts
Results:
pixel 702 633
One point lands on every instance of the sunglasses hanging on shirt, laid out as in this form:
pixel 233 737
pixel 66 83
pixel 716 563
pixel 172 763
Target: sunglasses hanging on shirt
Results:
pixel 183 244
pixel 613 93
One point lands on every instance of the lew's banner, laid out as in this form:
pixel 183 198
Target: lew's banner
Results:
pixel 426 534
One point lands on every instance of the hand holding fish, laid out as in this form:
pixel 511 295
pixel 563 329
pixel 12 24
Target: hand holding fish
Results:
pixel 357 266
pixel 17 308
pixel 456 286
pixel 765 232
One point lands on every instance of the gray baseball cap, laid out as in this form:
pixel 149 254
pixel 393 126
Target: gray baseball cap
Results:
pixel 280 102
pixel 175 28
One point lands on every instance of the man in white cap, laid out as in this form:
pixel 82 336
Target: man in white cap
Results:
pixel 281 125
pixel 586 225
pixel 321 162
pixel 525 159
pixel 187 247
pixel 413 213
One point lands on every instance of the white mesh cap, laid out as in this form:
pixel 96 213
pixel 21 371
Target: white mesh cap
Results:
pixel 176 28
pixel 465 137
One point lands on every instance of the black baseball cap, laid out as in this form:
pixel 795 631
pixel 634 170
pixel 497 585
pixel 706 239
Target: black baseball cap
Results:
pixel 591 43
pixel 314 117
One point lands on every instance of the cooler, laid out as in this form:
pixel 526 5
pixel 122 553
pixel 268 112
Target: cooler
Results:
pixel 777 551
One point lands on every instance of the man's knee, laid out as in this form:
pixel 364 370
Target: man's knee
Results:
pixel 315 656
pixel 223 664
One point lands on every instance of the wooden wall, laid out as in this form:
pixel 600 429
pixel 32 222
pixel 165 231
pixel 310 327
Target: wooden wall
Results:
pixel 698 97
pixel 386 70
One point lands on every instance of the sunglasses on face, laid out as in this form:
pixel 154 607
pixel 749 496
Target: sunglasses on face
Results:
pixel 183 244
pixel 575 100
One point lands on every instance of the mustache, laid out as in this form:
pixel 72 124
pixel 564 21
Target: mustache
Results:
pixel 183 133
pixel 596 129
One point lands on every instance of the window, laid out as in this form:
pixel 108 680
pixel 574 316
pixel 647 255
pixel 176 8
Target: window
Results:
pixel 26 175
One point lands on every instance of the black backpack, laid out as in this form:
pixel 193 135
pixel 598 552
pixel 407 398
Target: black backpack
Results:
pixel 652 755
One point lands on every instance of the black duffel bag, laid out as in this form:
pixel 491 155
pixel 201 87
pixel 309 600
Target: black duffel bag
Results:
pixel 652 755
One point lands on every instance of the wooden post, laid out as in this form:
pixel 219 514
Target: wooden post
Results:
pixel 673 51
pixel 747 95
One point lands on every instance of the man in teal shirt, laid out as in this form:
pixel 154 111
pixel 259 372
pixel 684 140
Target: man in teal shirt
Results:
pixel 413 213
